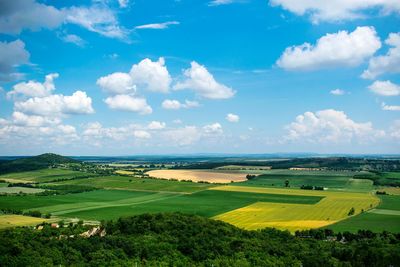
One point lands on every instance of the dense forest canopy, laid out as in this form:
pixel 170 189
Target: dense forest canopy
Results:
pixel 186 240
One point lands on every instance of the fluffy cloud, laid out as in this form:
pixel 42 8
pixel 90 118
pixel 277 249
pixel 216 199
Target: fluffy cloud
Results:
pixel 389 63
pixel 156 125
pixel 151 75
pixel 385 88
pixel 129 103
pixel 17 15
pixel 332 50
pixel 183 136
pixel 157 26
pixel 336 10
pixel 203 83
pixel 147 74
pixel 95 130
pixel 57 105
pixel 212 129
pixel 33 88
pixel 21 119
pixel 232 117
pixel 390 108
pixel 117 83
pixel 337 92
pixel 23 129
pixel 330 125
pixel 175 104
pixel 12 54
pixel 142 134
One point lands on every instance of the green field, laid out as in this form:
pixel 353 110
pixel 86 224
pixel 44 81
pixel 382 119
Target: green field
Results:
pixel 206 203
pixel 43 175
pixel 111 204
pixel 16 190
pixel 385 217
pixel 131 183
pixel 327 179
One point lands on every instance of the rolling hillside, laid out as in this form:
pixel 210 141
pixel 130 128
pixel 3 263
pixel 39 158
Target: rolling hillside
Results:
pixel 33 163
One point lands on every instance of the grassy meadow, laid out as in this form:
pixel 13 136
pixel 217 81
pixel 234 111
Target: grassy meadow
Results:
pixel 43 175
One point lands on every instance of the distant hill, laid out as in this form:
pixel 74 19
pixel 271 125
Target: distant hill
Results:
pixel 33 163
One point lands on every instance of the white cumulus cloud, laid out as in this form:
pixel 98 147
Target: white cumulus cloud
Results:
pixel 129 103
pixel 214 128
pixel 337 10
pixel 332 50
pixel 183 136
pixel 175 104
pixel 33 88
pixel 330 126
pixel 389 63
pixel 385 88
pixel 337 92
pixel 152 75
pixel 117 83
pixel 203 83
pixel 156 125
pixel 57 105
pixel 232 117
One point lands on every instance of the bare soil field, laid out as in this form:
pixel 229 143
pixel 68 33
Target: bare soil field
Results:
pixel 199 175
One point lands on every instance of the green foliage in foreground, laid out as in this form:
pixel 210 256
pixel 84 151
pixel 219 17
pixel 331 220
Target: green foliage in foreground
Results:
pixel 184 240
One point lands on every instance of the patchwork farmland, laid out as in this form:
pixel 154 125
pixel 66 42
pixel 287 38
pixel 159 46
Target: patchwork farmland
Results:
pixel 261 202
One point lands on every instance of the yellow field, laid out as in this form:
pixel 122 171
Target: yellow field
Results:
pixel 199 175
pixel 332 208
pixel 18 220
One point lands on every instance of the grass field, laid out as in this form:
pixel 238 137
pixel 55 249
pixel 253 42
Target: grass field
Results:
pixel 41 176
pixel 384 217
pixel 206 203
pixel 212 176
pixel 111 204
pixel 16 190
pixel 18 220
pixel 328 179
pixel 132 183
pixel 332 208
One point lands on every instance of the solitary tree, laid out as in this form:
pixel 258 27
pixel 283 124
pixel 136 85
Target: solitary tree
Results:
pixel 287 183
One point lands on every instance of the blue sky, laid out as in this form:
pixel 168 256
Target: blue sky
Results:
pixel 157 77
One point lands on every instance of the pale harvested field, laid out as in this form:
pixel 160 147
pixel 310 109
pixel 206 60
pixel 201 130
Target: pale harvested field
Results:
pixel 19 220
pixel 331 209
pixel 199 175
